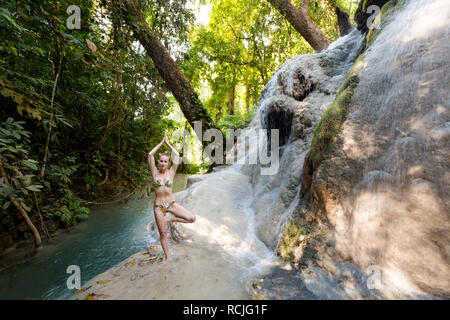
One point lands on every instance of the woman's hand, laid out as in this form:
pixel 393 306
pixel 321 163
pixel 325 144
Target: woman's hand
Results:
pixel 165 138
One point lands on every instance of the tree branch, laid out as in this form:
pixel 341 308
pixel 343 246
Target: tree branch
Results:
pixel 305 5
pixel 34 231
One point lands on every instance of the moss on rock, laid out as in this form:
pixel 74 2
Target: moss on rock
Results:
pixel 291 238
pixel 386 10
pixel 330 124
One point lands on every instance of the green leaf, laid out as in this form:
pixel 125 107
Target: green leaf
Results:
pixel 84 210
pixel 5 14
pixel 6 92
pixel 30 164
pixel 6 191
pixel 18 99
pixel 25 207
pixel 81 216
pixel 34 187
pixel 6 205
pixel 62 120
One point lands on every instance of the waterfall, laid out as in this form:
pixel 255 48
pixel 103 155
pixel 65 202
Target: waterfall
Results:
pixel 296 96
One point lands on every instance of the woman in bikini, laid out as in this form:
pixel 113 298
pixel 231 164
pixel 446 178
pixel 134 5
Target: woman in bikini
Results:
pixel 165 200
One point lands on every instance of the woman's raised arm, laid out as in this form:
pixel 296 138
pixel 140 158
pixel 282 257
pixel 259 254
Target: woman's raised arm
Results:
pixel 151 159
pixel 175 156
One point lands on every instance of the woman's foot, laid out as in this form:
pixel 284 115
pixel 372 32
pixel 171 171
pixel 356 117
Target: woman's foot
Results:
pixel 169 219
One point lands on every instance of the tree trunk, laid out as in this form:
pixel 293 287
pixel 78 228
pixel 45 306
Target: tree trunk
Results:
pixel 300 20
pixel 47 141
pixel 343 22
pixel 232 94
pixel 232 98
pixel 190 104
pixel 247 91
pixel 34 231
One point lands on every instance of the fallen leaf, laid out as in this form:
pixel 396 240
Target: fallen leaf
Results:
pixel 94 296
pixel 103 281
pixel 83 290
pixel 148 259
pixel 91 296
pixel 91 45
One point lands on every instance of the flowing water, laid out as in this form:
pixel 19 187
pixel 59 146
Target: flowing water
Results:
pixel 112 234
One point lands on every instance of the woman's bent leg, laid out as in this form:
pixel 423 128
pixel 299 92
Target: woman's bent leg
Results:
pixel 181 214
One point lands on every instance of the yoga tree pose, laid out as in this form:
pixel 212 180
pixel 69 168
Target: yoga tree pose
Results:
pixel 165 200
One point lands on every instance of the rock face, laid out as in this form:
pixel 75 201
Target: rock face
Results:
pixel 343 22
pixel 293 102
pixel 383 184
